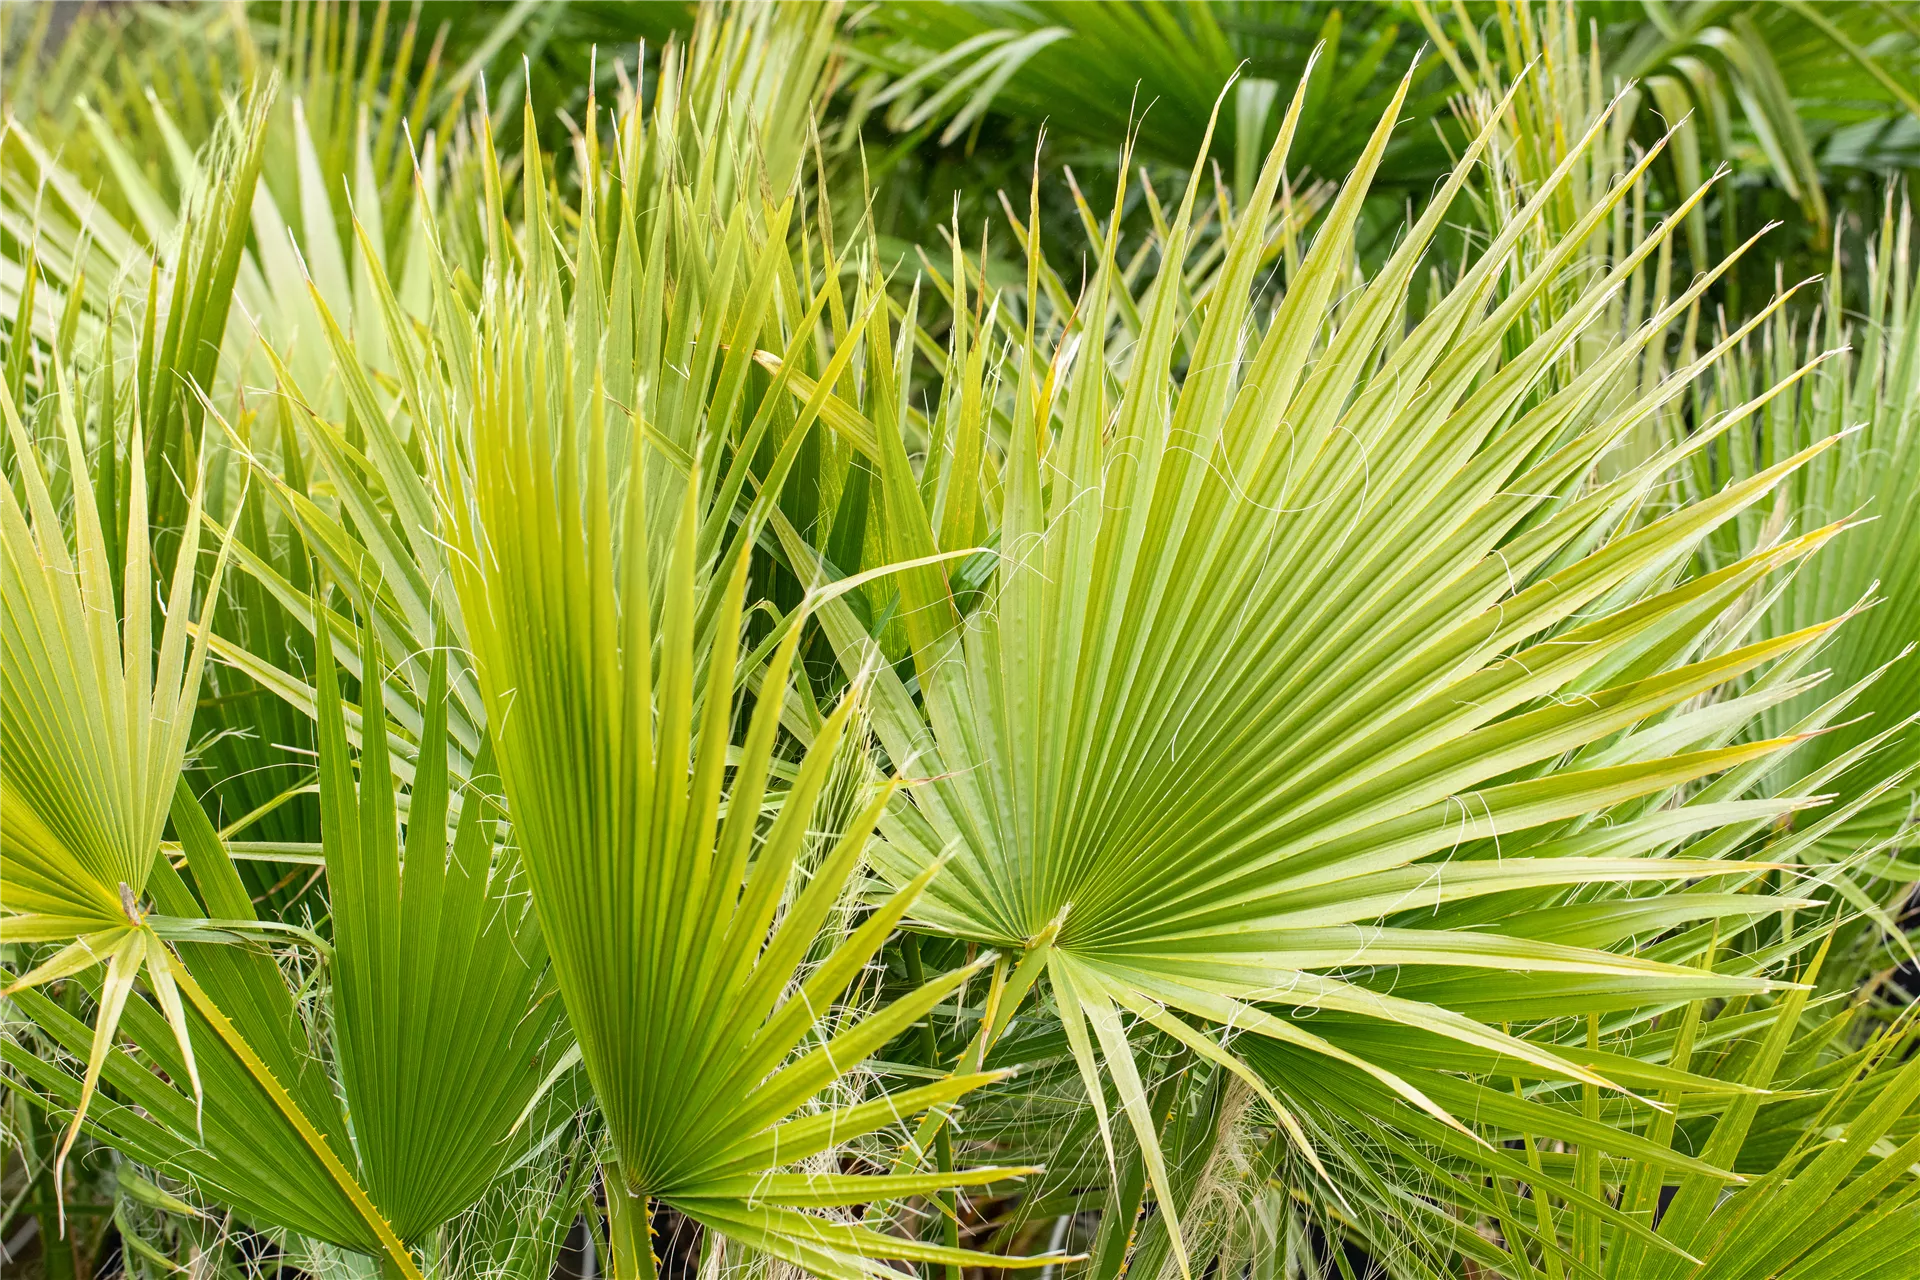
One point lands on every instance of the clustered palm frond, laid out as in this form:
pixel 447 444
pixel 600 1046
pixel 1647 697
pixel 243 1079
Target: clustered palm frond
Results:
pixel 570 676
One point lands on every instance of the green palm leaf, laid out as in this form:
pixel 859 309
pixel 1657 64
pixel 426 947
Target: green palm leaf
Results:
pixel 1276 633
pixel 437 971
pixel 658 891
pixel 268 1137
pixel 96 726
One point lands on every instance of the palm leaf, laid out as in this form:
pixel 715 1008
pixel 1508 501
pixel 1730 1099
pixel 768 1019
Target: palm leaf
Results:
pixel 658 905
pixel 1265 636
pixel 437 971
pixel 97 722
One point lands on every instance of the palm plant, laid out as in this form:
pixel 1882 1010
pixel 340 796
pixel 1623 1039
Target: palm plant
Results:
pixel 1021 879
pixel 1353 714
pixel 437 985
pixel 113 173
pixel 1219 874
pixel 405 1173
pixel 93 770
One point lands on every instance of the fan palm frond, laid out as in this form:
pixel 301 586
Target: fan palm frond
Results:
pixel 1326 636
pixel 97 720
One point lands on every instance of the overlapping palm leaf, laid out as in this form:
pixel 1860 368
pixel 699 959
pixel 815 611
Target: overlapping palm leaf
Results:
pixel 563 426
pixel 436 967
pixel 1831 1192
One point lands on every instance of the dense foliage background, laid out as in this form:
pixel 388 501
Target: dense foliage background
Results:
pixel 1235 637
